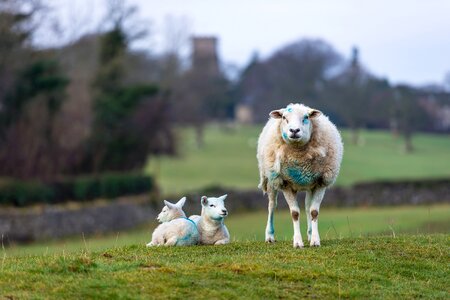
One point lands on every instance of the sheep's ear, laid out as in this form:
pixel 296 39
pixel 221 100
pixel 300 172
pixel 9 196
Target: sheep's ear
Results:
pixel 204 200
pixel 168 204
pixel 276 114
pixel 181 202
pixel 223 197
pixel 314 113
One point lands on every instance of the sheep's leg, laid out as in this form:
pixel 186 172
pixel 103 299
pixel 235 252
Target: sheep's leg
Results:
pixel 171 242
pixel 317 196
pixel 308 200
pixel 291 200
pixel 222 242
pixel 270 231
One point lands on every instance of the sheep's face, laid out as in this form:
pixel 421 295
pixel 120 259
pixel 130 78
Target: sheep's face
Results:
pixel 214 208
pixel 172 211
pixel 295 126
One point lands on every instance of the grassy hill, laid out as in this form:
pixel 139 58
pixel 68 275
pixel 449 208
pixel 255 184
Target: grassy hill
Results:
pixel 374 267
pixel 229 159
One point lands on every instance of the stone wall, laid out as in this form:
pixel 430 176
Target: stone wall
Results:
pixel 55 221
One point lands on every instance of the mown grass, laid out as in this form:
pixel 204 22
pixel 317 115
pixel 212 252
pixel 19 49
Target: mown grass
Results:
pixel 229 159
pixel 371 267
pixel 334 223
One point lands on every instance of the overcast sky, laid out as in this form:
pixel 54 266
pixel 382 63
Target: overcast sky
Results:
pixel 403 40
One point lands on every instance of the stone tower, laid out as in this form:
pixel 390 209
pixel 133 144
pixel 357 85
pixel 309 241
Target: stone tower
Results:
pixel 204 55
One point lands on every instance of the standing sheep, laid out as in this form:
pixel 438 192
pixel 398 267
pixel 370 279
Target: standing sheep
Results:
pixel 299 149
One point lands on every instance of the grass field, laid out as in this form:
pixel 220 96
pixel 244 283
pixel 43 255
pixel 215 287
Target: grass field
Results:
pixel 376 267
pixel 334 224
pixel 229 159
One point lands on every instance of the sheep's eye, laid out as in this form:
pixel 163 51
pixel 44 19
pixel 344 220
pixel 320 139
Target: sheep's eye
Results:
pixel 212 205
pixel 284 118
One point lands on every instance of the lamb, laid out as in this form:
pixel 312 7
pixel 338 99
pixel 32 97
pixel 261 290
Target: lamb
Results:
pixel 299 149
pixel 211 227
pixel 176 229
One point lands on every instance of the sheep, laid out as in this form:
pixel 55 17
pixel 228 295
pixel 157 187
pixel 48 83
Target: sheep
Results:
pixel 172 211
pixel 299 149
pixel 211 228
pixel 176 229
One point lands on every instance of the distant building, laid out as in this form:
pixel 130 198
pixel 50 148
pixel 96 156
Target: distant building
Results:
pixel 204 55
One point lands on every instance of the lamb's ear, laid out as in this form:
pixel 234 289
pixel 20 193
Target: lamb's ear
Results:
pixel 181 202
pixel 314 113
pixel 223 197
pixel 276 114
pixel 204 200
pixel 168 204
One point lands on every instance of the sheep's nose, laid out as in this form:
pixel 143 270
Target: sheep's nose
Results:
pixel 294 130
pixel 224 211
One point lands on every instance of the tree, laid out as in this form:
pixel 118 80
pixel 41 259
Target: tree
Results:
pixel 33 88
pixel 351 92
pixel 120 138
pixel 408 114
pixel 296 72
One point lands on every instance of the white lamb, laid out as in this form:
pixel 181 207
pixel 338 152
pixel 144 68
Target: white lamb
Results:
pixel 211 227
pixel 176 229
pixel 299 149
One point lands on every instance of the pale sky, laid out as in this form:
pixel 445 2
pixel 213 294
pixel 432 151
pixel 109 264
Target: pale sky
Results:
pixel 403 40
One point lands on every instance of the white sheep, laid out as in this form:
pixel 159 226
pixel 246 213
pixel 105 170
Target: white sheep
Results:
pixel 176 229
pixel 299 149
pixel 211 227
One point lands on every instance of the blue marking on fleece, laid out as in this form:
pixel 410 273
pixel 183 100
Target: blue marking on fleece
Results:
pixel 285 136
pixel 309 230
pixel 299 176
pixel 289 109
pixel 187 236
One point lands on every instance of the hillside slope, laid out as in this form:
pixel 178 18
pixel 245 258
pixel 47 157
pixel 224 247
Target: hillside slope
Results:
pixel 375 267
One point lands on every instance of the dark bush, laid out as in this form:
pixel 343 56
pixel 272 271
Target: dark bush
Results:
pixel 107 186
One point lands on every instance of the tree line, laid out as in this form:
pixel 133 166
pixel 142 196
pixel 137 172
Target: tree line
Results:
pixel 94 105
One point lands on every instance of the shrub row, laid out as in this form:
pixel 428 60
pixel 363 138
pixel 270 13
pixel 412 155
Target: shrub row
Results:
pixel 108 186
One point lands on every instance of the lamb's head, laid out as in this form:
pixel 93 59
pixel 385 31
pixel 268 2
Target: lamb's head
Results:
pixel 214 208
pixel 172 211
pixel 295 125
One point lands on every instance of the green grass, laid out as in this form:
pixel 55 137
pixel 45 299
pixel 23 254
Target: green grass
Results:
pixel 229 159
pixel 334 223
pixel 374 267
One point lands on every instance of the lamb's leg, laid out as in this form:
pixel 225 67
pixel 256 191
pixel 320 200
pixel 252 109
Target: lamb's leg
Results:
pixel 171 242
pixel 270 231
pixel 222 242
pixel 291 200
pixel 317 196
pixel 308 200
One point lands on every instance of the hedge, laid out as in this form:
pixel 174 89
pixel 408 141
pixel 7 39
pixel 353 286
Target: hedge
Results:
pixel 108 186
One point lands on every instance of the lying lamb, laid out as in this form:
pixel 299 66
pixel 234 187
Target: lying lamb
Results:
pixel 211 229
pixel 299 149
pixel 176 229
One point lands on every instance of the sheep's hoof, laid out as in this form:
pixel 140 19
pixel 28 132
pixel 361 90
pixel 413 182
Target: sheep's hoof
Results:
pixel 270 239
pixel 314 243
pixel 298 245
pixel 150 244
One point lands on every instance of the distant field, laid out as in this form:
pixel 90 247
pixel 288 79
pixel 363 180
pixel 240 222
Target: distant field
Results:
pixel 229 159
pixel 334 224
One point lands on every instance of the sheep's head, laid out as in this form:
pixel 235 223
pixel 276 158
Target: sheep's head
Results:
pixel 172 211
pixel 295 126
pixel 214 208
